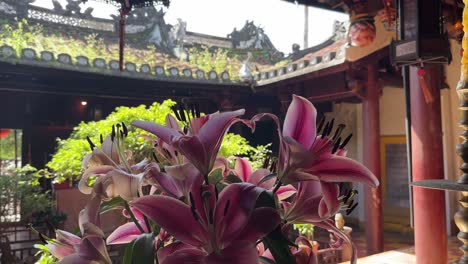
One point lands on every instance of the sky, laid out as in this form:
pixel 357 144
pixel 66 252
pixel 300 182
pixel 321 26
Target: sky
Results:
pixel 282 21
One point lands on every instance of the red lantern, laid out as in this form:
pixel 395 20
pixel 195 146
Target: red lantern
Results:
pixel 4 133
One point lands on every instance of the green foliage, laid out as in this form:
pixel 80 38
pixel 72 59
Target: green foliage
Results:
pixel 282 63
pixel 45 256
pixel 218 60
pixel 22 185
pixel 7 146
pixel 66 162
pixel 306 230
pixel 19 37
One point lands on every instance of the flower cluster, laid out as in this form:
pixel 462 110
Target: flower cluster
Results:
pixel 178 214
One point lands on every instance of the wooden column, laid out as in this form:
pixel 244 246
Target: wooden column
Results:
pixel 427 161
pixel 371 159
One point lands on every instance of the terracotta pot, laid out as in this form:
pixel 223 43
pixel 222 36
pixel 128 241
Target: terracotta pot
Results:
pixel 63 185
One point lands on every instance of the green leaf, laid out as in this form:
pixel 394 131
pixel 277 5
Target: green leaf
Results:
pixel 114 203
pixel 275 241
pixel 140 251
pixel 266 178
pixel 127 259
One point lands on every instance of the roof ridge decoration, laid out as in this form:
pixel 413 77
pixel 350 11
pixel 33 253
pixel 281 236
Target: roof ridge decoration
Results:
pixel 82 63
pixel 150 22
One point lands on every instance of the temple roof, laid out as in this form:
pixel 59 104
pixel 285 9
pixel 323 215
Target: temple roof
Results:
pixel 71 39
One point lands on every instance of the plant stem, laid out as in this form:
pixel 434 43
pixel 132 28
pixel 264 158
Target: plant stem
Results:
pixel 278 185
pixel 127 207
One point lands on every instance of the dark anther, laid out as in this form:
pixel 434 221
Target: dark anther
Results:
pixel 100 139
pixel 348 195
pixel 176 113
pixel 194 213
pixel 185 129
pixel 211 216
pixel 338 131
pixel 325 129
pixel 266 162
pixel 168 155
pixel 346 141
pixel 336 146
pixel 197 110
pixel 226 207
pixel 113 133
pixel 154 157
pixel 322 121
pixel 42 238
pixel 182 114
pixel 192 202
pixel 125 130
pixel 330 127
pixel 91 144
pixel 273 166
pixel 351 209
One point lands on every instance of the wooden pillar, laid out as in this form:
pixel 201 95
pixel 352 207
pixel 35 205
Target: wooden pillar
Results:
pixel 427 163
pixel 371 159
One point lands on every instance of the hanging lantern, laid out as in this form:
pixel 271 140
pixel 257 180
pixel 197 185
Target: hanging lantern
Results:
pixel 362 29
pixel 4 133
pixel 125 7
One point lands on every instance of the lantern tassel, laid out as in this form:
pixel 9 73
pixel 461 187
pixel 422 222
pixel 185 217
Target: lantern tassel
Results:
pixel 425 89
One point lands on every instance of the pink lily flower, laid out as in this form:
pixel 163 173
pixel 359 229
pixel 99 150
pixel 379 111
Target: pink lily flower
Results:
pixel 307 156
pixel 217 229
pixel 91 247
pixel 203 139
pixel 243 170
pixel 177 181
pixel 64 244
pixel 114 168
pixel 315 202
pixel 127 232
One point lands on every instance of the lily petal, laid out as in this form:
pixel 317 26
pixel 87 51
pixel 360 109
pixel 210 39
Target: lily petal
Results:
pixel 125 233
pixel 300 120
pixel 342 169
pixel 238 253
pixel 258 175
pixel 285 191
pixel 330 204
pixel 261 222
pixel 94 170
pixel 235 204
pixel 170 249
pixel 171 122
pixel 188 255
pixel 164 133
pixel 243 169
pixel 174 216
pixel 60 251
pixel 65 237
pixel 126 184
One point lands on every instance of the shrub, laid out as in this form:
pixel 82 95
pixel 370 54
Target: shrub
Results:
pixel 66 162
